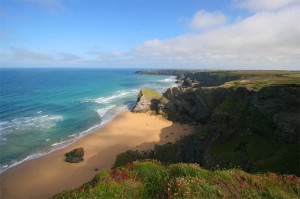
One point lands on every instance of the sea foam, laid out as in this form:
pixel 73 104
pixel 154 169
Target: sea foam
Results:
pixel 102 111
pixel 15 163
pixel 110 99
pixel 41 122
pixel 169 79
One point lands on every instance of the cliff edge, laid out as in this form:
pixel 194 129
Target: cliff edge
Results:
pixel 251 121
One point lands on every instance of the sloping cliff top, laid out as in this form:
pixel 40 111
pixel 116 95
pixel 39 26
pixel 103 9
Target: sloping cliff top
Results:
pixel 250 79
pixel 147 100
pixel 150 179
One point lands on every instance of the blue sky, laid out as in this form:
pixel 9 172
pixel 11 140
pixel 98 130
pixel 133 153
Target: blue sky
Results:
pixel 218 34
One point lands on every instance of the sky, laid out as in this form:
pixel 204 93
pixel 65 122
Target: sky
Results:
pixel 177 34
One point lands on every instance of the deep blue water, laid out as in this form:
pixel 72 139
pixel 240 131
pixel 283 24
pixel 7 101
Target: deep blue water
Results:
pixel 42 110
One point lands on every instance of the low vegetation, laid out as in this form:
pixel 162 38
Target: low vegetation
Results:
pixel 150 94
pixel 256 82
pixel 151 179
pixel 251 79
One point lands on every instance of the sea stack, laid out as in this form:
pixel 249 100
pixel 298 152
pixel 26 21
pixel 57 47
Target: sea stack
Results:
pixel 147 100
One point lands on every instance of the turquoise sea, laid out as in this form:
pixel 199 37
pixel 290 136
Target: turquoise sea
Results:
pixel 42 110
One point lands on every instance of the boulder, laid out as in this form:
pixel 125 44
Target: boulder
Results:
pixel 75 155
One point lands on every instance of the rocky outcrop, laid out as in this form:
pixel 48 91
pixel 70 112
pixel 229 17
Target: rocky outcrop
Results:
pixel 75 155
pixel 211 78
pixel 147 100
pixel 187 82
pixel 275 108
pixel 193 105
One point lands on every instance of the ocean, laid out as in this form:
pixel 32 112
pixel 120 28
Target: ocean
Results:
pixel 42 110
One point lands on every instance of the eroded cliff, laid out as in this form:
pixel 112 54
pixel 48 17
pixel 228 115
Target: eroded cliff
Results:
pixel 252 123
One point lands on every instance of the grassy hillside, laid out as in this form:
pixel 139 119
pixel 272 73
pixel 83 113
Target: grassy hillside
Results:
pixel 256 81
pixel 151 179
pixel 251 79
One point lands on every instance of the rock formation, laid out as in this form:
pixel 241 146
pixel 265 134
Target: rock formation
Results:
pixel 147 100
pixel 253 123
pixel 75 155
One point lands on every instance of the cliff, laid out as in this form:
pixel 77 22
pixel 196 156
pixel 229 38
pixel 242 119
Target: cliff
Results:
pixel 252 122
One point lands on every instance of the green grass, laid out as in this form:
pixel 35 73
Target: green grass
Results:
pixel 151 179
pixel 151 94
pixel 255 82
pixel 154 177
pixel 257 154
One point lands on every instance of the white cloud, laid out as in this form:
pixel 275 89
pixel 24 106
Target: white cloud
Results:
pixel 23 53
pixel 258 5
pixel 204 20
pixel 268 39
pixel 265 39
pixel 68 57
pixel 117 53
pixel 19 57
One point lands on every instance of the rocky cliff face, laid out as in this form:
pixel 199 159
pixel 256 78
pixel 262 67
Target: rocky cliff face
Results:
pixel 249 129
pixel 187 104
pixel 278 106
pixel 257 130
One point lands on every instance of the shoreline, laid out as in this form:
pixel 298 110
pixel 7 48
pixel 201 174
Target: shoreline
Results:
pixel 106 105
pixel 68 142
pixel 47 175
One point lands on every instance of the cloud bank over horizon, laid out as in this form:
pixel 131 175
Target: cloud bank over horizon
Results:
pixel 264 39
pixel 264 36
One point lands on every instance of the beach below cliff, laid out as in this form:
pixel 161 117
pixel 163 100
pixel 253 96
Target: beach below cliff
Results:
pixel 50 174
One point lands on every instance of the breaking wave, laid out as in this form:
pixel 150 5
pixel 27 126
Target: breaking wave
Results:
pixel 102 111
pixel 41 122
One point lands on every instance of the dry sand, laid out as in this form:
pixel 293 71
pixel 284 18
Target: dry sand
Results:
pixel 45 176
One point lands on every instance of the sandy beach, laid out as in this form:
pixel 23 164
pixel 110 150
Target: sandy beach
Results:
pixel 45 176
